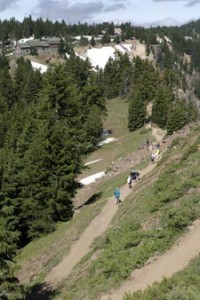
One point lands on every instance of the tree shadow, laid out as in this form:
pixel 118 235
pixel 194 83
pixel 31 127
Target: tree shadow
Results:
pixel 41 292
pixel 91 200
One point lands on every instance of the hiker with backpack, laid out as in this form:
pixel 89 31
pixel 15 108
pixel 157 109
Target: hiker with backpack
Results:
pixel 117 195
pixel 135 175
pixel 129 181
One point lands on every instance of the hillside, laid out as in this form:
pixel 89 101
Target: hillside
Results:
pixel 70 135
pixel 155 214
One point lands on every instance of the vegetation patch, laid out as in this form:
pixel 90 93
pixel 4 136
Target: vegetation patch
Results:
pixel 172 201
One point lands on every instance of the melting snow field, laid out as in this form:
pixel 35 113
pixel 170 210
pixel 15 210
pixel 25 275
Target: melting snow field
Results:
pixel 106 141
pixel 92 162
pixel 40 67
pixel 92 178
pixel 99 57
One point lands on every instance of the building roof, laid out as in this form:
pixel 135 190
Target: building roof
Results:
pixel 34 43
pixel 39 43
pixel 24 45
pixel 53 40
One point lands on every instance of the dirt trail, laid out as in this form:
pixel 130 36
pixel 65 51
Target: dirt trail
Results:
pixel 157 132
pixel 95 229
pixel 174 260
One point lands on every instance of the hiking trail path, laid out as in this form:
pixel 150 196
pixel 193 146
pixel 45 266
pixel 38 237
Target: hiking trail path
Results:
pixel 95 229
pixel 165 265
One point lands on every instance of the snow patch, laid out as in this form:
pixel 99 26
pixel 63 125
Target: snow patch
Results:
pixel 99 57
pixel 78 37
pixel 120 49
pixel 92 162
pixel 124 48
pixel 128 47
pixel 92 178
pixel 80 56
pixel 36 66
pixel 25 40
pixel 106 141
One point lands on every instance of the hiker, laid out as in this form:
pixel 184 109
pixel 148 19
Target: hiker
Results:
pixel 147 144
pixel 129 181
pixel 157 153
pixel 135 175
pixel 158 146
pixel 117 195
pixel 153 157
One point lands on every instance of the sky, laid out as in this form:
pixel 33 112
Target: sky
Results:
pixel 138 12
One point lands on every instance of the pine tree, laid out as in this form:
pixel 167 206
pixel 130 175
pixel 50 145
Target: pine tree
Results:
pixel 61 47
pixel 32 87
pixel 6 85
pixel 4 119
pixel 137 111
pixel 21 76
pixel 9 285
pixel 111 79
pixel 177 117
pixel 126 75
pixel 162 102
pixel 92 42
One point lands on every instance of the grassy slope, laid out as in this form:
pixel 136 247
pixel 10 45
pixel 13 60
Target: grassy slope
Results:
pixel 37 258
pixel 127 142
pixel 166 201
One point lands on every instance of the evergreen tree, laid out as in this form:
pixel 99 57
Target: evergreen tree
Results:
pixel 177 117
pixel 32 86
pixel 162 102
pixel 4 119
pixel 61 47
pixel 137 111
pixel 92 42
pixel 21 76
pixel 9 285
pixel 105 39
pixel 126 75
pixel 111 79
pixel 93 127
pixel 6 84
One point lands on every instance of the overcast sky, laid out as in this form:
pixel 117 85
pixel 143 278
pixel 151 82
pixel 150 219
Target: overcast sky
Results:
pixel 73 11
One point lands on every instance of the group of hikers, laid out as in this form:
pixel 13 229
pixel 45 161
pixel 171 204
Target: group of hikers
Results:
pixel 156 153
pixel 134 175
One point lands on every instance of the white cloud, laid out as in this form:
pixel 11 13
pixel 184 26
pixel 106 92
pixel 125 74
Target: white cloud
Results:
pixel 5 4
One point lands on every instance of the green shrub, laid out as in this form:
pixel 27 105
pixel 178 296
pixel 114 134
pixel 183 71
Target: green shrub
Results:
pixel 176 141
pixel 190 150
pixel 179 218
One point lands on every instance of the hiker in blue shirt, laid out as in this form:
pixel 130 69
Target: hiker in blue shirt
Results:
pixel 117 195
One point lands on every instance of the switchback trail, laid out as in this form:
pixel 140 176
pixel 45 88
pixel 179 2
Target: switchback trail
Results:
pixel 95 229
pixel 172 261
pixel 165 265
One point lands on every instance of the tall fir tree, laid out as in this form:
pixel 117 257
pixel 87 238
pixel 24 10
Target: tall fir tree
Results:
pixel 177 117
pixel 163 101
pixel 137 111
